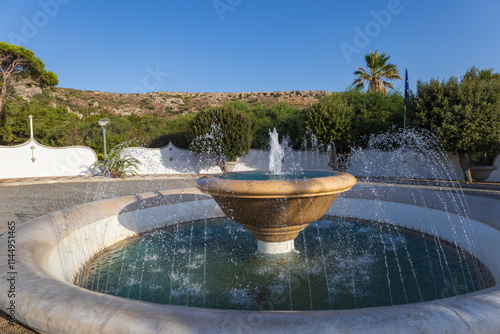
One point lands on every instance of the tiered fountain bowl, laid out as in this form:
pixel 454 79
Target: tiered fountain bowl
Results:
pixel 275 208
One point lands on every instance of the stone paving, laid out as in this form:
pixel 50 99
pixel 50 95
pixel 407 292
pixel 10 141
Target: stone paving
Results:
pixel 24 199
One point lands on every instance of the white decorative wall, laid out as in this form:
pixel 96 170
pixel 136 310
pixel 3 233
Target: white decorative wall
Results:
pixel 17 162
pixel 495 175
pixel 32 159
pixel 375 163
pixel 369 163
pixel 173 160
pixel 170 160
pixel 259 160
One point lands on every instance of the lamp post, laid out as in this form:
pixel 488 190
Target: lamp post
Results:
pixel 103 122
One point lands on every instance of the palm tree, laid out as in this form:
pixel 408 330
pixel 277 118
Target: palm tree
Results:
pixel 379 70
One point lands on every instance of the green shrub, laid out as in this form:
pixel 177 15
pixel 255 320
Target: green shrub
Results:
pixel 330 120
pixel 223 132
pixel 288 121
pixel 116 164
pixel 174 130
pixel 463 114
pixel 373 112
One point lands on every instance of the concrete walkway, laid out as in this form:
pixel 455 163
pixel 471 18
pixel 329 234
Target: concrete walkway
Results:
pixel 24 199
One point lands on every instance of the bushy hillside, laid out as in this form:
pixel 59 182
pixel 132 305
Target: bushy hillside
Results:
pixel 64 117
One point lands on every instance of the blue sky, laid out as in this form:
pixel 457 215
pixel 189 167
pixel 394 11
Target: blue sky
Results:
pixel 249 45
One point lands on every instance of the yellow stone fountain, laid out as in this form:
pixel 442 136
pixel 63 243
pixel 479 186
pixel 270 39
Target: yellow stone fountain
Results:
pixel 276 209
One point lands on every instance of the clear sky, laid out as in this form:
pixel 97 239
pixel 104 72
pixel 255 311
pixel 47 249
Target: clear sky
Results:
pixel 249 45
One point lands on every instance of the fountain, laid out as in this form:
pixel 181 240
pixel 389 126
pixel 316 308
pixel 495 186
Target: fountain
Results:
pixel 290 199
pixel 290 204
pixel 52 250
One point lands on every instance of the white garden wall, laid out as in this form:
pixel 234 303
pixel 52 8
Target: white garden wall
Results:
pixel 173 160
pixel 363 163
pixel 375 163
pixel 32 159
pixel 495 175
pixel 17 162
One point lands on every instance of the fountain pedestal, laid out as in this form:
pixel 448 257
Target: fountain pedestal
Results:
pixel 276 210
pixel 276 247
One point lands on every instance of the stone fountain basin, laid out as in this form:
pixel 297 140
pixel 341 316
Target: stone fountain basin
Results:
pixel 50 250
pixel 276 210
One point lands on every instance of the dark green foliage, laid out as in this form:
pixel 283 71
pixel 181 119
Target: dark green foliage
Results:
pixel 48 121
pixel 351 116
pixel 175 131
pixel 238 105
pixel 117 164
pixel 370 112
pixel 261 124
pixel 49 79
pixel 223 131
pixel 288 121
pixel 57 127
pixel 373 112
pixel 464 115
pixel 20 63
pixel 485 158
pixel 25 64
pixel 330 120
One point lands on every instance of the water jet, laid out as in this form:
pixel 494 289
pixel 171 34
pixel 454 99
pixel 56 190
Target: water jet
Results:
pixel 52 250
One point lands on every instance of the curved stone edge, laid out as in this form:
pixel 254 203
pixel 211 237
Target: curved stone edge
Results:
pixel 483 209
pixel 48 304
pixel 318 186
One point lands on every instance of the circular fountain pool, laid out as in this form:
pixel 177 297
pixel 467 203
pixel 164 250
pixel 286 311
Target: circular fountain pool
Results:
pixel 340 264
pixel 50 251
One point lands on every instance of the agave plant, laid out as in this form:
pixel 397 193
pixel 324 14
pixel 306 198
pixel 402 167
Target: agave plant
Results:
pixel 116 164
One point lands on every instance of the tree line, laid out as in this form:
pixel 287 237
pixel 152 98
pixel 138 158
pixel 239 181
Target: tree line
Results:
pixel 464 114
pixel 339 117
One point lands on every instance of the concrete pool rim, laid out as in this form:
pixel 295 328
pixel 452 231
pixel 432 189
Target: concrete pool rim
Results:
pixel 48 302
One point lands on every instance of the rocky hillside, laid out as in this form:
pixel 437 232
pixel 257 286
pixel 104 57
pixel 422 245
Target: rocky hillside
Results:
pixel 160 104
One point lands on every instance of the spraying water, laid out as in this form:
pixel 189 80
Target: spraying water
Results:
pixel 277 153
pixel 356 264
pixel 194 255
